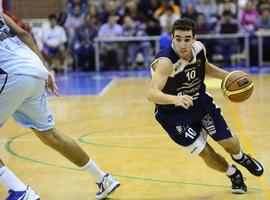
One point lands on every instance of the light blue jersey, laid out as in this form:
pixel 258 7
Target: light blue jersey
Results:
pixel 16 57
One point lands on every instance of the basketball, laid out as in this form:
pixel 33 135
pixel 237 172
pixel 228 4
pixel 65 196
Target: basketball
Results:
pixel 237 86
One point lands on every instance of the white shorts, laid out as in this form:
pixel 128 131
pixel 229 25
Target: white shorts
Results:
pixel 198 145
pixel 25 98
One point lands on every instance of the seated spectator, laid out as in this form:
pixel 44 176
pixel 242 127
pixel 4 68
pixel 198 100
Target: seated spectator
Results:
pixel 203 28
pixel 53 38
pixel 168 17
pixel 112 54
pixel 249 16
pixel 227 47
pixel 72 22
pixel 228 5
pixel 135 28
pixel 263 23
pixel 209 9
pixel 110 7
pixel 71 4
pixel 263 26
pixel 83 45
pixel 184 4
pixel 190 12
pixel 201 25
pixel 176 9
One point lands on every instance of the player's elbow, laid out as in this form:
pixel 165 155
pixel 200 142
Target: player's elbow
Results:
pixel 23 33
pixel 150 95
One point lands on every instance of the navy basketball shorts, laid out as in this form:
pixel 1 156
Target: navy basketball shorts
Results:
pixel 192 137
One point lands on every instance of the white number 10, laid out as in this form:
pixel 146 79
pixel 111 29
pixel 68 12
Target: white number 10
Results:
pixel 191 75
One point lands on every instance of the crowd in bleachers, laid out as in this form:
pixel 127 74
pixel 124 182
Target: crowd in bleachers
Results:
pixel 84 20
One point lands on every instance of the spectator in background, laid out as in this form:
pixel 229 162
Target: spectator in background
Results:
pixel 72 22
pixel 263 26
pixel 209 9
pixel 71 4
pixel 201 25
pixel 83 45
pixel 263 23
pixel 146 8
pixel 112 54
pixel 228 5
pixel 168 17
pixel 176 9
pixel 190 12
pixel 261 4
pixel 53 38
pixel 110 7
pixel 224 46
pixel 184 4
pixel 248 18
pixel 93 12
pixel 203 28
pixel 131 9
pixel 136 28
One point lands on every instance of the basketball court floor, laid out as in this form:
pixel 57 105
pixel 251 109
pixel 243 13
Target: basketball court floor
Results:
pixel 109 116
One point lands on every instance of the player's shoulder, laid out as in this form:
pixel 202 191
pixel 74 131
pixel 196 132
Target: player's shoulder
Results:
pixel 198 46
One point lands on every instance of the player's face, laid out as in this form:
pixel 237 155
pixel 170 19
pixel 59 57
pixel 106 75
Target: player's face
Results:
pixel 182 42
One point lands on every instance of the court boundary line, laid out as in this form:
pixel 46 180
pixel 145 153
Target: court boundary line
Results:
pixel 107 87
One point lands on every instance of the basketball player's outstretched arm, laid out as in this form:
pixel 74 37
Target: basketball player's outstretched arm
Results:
pixel 28 40
pixel 162 69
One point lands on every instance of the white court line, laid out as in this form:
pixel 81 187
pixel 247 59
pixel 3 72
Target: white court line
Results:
pixel 107 87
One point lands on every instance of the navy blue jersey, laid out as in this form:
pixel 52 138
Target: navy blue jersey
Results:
pixel 187 78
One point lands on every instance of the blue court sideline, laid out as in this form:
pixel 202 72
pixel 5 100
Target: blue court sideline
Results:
pixel 93 83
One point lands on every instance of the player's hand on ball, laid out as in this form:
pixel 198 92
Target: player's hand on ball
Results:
pixel 184 101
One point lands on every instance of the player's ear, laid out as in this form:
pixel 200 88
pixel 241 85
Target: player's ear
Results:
pixel 195 37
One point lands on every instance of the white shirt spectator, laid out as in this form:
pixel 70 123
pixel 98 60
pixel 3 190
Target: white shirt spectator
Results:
pixel 53 37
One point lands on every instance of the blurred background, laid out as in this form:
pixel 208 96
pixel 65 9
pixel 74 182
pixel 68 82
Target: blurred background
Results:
pixel 106 35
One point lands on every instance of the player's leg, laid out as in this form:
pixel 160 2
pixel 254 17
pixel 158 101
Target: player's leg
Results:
pixel 16 188
pixel 193 139
pixel 15 86
pixel 36 114
pixel 73 152
pixel 232 146
pixel 217 128
pixel 217 162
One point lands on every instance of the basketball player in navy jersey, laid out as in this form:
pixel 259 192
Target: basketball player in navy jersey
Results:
pixel 187 112
pixel 23 79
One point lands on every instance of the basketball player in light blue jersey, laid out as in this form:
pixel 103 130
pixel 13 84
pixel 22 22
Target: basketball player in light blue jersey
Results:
pixel 23 79
pixel 187 112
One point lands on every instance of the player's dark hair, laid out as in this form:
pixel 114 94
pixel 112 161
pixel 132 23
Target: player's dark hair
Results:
pixel 184 24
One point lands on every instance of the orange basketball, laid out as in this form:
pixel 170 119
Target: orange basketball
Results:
pixel 237 86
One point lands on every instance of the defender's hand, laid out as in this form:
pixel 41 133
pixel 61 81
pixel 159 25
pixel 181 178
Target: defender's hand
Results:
pixel 51 85
pixel 184 101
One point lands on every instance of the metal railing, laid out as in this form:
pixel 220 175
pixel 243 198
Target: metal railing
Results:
pixel 99 40
pixel 260 36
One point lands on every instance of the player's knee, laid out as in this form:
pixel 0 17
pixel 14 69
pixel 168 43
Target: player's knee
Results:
pixel 230 145
pixel 208 154
pixel 49 137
